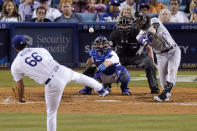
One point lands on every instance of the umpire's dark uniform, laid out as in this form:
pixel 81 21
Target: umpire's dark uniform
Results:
pixel 126 47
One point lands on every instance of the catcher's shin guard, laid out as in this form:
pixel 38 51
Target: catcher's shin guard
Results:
pixel 124 78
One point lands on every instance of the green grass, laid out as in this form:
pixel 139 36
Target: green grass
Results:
pixel 7 81
pixel 99 122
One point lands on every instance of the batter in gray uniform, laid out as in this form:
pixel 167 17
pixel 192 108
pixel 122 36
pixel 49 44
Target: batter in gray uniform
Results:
pixel 154 34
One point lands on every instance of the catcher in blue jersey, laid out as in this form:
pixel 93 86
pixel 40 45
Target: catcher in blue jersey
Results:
pixel 104 66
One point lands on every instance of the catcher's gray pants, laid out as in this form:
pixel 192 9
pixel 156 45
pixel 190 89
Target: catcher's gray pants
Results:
pixel 55 87
pixel 109 78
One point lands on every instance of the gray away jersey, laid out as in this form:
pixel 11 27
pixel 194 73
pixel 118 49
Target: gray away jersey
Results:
pixel 162 40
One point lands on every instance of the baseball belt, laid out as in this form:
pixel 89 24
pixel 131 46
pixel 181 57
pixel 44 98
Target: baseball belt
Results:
pixel 49 79
pixel 166 50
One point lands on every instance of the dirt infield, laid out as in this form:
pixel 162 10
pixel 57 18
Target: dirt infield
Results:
pixel 183 101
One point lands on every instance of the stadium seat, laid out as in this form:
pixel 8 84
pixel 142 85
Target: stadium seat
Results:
pixel 88 17
pixel 153 15
pixel 180 2
pixel 165 2
pixel 188 15
pixel 182 8
pixel 55 3
pixel 100 15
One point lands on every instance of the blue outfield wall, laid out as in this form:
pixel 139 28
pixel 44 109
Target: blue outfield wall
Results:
pixel 69 43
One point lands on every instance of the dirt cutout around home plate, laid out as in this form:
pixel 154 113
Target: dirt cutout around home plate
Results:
pixel 183 101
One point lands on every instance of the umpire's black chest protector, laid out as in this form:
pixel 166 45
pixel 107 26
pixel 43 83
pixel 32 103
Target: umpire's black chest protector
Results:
pixel 125 42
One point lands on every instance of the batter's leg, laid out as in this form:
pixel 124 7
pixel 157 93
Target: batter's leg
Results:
pixel 162 65
pixel 173 66
pixel 173 61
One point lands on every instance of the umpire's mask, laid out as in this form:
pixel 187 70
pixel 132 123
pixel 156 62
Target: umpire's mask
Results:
pixel 124 24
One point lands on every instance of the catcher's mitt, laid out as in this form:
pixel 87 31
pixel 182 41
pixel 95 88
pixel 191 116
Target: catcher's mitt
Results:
pixel 90 70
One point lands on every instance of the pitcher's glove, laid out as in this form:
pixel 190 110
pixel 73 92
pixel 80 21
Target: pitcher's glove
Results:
pixel 90 70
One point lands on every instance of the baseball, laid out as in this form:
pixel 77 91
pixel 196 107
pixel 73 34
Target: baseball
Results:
pixel 91 30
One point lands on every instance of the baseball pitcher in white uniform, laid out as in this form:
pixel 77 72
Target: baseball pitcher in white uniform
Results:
pixel 39 65
pixel 153 33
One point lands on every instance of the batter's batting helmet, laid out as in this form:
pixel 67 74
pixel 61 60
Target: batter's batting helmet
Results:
pixel 142 19
pixel 19 42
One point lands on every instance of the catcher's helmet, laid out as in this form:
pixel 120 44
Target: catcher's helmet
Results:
pixel 124 24
pixel 101 44
pixel 19 42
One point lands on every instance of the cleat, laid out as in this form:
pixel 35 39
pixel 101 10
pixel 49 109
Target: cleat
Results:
pixel 126 92
pixel 86 91
pixel 103 92
pixel 157 99
pixel 164 96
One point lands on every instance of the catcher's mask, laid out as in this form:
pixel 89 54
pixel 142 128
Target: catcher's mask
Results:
pixel 124 24
pixel 101 44
pixel 140 18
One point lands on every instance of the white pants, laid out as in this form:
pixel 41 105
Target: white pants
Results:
pixel 54 90
pixel 168 64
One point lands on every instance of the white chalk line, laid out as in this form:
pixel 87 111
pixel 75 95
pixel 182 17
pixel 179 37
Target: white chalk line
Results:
pixel 108 101
pixel 180 78
pixel 8 101
pixel 154 103
pixel 166 103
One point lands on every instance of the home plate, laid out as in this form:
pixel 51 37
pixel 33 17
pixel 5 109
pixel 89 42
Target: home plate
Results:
pixel 107 100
